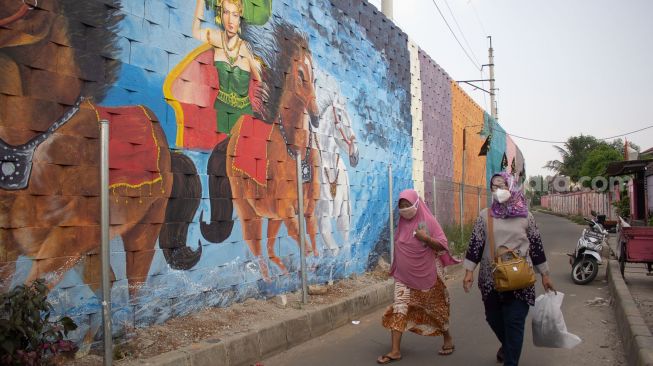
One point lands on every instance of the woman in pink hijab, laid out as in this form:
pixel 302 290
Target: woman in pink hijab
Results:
pixel 421 301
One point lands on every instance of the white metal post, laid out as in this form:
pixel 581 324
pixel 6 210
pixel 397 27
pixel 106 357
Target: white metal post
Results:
pixel 391 206
pixel 105 249
pixel 300 219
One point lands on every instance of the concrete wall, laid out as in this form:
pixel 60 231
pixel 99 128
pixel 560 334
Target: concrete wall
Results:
pixel 203 182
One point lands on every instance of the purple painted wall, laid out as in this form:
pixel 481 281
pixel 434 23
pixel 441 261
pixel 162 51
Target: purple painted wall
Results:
pixel 438 135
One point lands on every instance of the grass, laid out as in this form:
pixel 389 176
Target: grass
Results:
pixel 452 232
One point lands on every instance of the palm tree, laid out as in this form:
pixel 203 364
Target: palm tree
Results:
pixel 573 155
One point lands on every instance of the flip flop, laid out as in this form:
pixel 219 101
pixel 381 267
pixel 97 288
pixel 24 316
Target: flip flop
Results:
pixel 386 359
pixel 446 351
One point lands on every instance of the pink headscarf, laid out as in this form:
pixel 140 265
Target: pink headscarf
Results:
pixel 414 263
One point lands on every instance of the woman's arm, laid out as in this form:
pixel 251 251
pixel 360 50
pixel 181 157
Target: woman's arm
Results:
pixel 474 252
pixel 535 248
pixel 536 252
pixel 254 65
pixel 199 33
pixel 429 241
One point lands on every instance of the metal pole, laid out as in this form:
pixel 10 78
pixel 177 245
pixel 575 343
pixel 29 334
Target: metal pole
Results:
pixel 493 102
pixel 462 188
pixel 479 200
pixel 386 8
pixel 105 249
pixel 435 200
pixel 300 219
pixel 391 206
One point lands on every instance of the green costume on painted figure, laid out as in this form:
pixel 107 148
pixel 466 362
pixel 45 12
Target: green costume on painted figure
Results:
pixel 233 99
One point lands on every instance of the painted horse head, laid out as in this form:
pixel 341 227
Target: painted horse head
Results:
pixel 297 80
pixel 25 27
pixel 339 126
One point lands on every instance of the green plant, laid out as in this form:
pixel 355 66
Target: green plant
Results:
pixel 27 335
pixel 623 206
pixel 452 232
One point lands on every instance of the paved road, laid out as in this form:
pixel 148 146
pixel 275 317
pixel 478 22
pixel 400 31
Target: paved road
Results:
pixel 475 343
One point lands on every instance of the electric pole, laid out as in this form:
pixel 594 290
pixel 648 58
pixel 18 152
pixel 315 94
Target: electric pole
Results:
pixel 386 8
pixel 493 102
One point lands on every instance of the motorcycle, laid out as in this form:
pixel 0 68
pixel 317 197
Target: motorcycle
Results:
pixel 586 258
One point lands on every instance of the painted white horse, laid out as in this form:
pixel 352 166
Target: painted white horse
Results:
pixel 336 142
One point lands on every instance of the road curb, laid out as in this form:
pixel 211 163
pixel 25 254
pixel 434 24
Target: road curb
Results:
pixel 636 337
pixel 275 337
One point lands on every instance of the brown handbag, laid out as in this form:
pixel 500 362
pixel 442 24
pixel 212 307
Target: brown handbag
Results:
pixel 509 274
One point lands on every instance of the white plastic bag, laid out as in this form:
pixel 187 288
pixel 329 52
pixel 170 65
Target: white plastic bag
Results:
pixel 549 329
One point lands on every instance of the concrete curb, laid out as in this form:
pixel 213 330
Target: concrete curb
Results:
pixel 275 337
pixel 636 337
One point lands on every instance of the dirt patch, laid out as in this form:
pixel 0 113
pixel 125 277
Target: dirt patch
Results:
pixel 217 323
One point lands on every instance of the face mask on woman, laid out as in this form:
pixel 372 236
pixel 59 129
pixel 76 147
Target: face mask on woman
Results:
pixel 409 212
pixel 501 195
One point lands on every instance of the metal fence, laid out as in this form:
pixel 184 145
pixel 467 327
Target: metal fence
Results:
pixel 446 198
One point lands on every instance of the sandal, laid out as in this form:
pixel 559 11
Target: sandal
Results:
pixel 500 355
pixel 446 351
pixel 386 359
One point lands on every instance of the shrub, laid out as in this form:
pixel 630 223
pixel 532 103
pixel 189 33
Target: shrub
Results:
pixel 27 335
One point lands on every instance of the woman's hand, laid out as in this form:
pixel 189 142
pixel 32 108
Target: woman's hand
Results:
pixel 468 281
pixel 546 283
pixel 422 235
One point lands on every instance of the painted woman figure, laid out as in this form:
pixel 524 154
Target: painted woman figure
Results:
pixel 228 86
pixel 233 59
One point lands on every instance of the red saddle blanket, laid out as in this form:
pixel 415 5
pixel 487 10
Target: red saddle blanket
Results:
pixel 251 148
pixel 133 146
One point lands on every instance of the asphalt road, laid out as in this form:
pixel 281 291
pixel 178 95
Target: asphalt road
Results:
pixel 475 343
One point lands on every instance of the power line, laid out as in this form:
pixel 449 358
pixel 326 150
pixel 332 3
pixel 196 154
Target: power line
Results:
pixel 461 31
pixel 477 17
pixel 454 35
pixel 562 142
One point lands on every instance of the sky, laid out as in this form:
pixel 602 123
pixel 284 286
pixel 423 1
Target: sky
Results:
pixel 562 67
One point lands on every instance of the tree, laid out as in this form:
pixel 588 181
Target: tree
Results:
pixel 619 145
pixel 597 160
pixel 573 154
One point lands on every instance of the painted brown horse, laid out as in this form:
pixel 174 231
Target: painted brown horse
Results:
pixel 49 152
pixel 290 113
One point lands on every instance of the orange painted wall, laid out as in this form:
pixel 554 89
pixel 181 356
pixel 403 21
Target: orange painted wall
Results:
pixel 468 115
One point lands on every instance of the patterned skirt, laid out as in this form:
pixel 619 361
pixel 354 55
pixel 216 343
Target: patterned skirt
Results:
pixel 425 312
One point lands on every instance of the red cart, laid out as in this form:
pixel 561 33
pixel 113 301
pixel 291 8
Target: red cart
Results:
pixel 635 245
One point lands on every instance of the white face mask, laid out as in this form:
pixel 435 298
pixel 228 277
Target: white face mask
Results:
pixel 501 195
pixel 409 212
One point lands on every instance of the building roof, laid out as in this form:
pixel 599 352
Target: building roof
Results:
pixel 626 167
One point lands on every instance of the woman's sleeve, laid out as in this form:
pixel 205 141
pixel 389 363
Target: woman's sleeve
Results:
pixel 436 232
pixel 536 249
pixel 476 245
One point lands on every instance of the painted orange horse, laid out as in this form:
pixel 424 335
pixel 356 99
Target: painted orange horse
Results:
pixel 259 158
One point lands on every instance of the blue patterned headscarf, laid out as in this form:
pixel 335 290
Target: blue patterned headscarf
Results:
pixel 516 204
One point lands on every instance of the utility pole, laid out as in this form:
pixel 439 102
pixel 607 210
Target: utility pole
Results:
pixel 493 102
pixel 386 8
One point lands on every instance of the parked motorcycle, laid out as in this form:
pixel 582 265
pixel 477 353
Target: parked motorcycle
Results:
pixel 586 258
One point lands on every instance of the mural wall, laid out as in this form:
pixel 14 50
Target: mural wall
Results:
pixel 210 104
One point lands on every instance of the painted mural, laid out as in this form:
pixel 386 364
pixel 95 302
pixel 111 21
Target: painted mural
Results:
pixel 211 105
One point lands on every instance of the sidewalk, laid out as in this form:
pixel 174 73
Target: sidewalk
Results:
pixel 268 339
pixel 633 306
pixel 271 338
